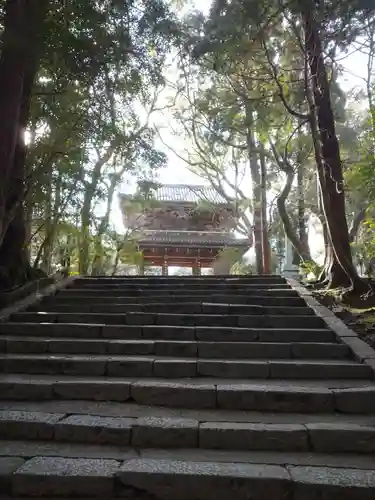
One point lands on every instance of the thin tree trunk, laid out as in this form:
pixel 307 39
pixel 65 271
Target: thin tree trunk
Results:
pixel 84 251
pixel 97 266
pixel 288 228
pixel 303 235
pixel 330 176
pixel 265 240
pixel 52 219
pixel 256 189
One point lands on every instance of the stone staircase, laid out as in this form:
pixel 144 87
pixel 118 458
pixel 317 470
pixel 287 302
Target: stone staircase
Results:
pixel 189 388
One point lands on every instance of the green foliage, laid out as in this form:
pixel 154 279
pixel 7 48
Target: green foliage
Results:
pixel 242 268
pixel 310 270
pixel 99 80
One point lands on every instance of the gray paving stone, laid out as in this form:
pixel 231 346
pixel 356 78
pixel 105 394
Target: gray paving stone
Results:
pixel 77 346
pixel 43 476
pixel 310 350
pixel 253 436
pixel 34 317
pixel 26 345
pixel 280 321
pixel 274 398
pixel 140 318
pixel 23 390
pixel 319 369
pixel 195 320
pixel 53 364
pixel 18 363
pixel 300 458
pixel 153 432
pixel 175 368
pixel 94 318
pixel 122 332
pixel 166 332
pixel 176 348
pixel 247 350
pixel 130 366
pixel 233 368
pixel 176 307
pixel 95 429
pixel 28 425
pixel 8 465
pixel 356 400
pixel 341 438
pixel 101 390
pixel 325 483
pixel 29 449
pixel 134 347
pixel 174 394
pixel 361 349
pixel 213 333
pixel 51 330
pixel 199 481
pixel 304 334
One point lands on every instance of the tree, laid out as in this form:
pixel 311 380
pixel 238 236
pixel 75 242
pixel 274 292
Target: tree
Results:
pixel 20 51
pixel 266 22
pixel 98 74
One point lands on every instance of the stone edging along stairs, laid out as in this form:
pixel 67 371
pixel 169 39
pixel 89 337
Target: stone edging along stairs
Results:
pixel 190 388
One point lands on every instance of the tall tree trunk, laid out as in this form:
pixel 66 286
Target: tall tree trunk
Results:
pixel 265 240
pixel 291 234
pixel 330 169
pixel 51 220
pixel 18 68
pixel 302 232
pixel 256 188
pixel 97 266
pixel 84 251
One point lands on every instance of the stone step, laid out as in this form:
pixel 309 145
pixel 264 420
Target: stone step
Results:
pixel 165 332
pixel 172 279
pixel 164 367
pixel 227 350
pixel 304 396
pixel 140 318
pixel 172 432
pixel 139 292
pixel 149 477
pixel 161 299
pixel 169 479
pixel 133 411
pixel 184 285
pixel 176 307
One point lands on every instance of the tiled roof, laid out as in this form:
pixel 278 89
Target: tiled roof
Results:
pixel 195 238
pixel 190 194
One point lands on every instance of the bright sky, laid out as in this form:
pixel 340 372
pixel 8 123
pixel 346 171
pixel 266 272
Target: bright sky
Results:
pixel 176 172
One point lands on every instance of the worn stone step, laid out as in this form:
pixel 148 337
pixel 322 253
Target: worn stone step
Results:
pixel 185 480
pixel 304 396
pixel 149 478
pixel 133 411
pixel 140 318
pixel 21 450
pixel 183 307
pixel 160 299
pixel 202 286
pixel 172 432
pixel 207 291
pixel 177 307
pixel 228 350
pixel 173 279
pixel 159 366
pixel 165 332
